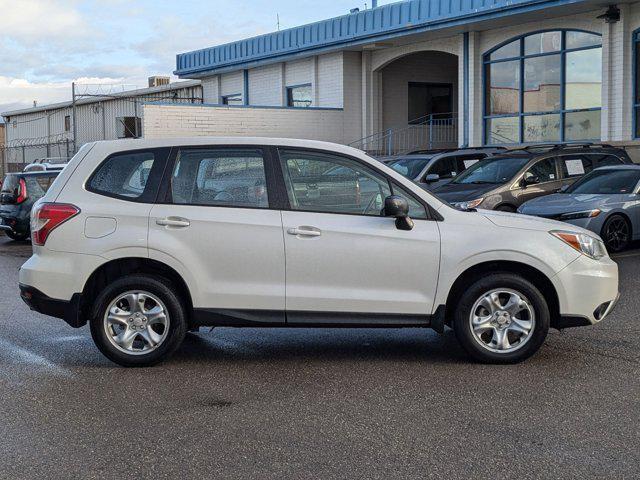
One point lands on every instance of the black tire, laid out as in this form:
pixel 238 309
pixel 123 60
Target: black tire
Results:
pixel 476 290
pixel 506 208
pixel 159 287
pixel 18 237
pixel 616 233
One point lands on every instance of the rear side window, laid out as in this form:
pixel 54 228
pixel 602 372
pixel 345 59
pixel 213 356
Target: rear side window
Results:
pixel 9 184
pixel 575 165
pixel 607 161
pixel 126 176
pixel 220 177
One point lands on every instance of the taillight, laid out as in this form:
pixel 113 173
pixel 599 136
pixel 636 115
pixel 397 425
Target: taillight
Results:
pixel 46 217
pixel 22 191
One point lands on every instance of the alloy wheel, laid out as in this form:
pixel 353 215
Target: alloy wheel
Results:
pixel 617 233
pixel 136 322
pixel 502 321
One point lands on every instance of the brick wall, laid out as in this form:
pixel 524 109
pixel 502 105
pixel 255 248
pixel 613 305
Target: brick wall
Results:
pixel 162 121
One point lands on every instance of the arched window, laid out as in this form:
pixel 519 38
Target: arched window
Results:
pixel 544 87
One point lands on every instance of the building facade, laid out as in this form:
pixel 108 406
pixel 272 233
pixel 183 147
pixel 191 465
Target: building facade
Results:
pixel 420 72
pixel 58 130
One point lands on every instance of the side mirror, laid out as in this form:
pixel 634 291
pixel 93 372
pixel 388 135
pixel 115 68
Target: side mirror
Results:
pixel 431 178
pixel 398 208
pixel 563 189
pixel 529 179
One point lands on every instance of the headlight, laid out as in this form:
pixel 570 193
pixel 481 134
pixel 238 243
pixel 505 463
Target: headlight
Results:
pixel 586 244
pixel 585 214
pixel 469 205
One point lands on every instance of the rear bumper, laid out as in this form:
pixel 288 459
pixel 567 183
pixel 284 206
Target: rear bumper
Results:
pixel 69 311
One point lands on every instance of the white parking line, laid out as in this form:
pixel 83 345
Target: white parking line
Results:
pixel 24 356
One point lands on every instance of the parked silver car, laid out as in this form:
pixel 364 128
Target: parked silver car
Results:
pixel 430 169
pixel 606 201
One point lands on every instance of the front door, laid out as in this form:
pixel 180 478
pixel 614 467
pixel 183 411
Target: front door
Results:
pixel 342 255
pixel 216 228
pixel 541 178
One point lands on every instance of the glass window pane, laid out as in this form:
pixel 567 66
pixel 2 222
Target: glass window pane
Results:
pixel 299 97
pixel 542 83
pixel 543 43
pixel 220 177
pixel 582 125
pixel 575 165
pixel 123 175
pixel 637 113
pixel 321 182
pixel 584 79
pixel 542 128
pixel 544 170
pixel 503 95
pixel 503 130
pixel 508 51
pixel 582 39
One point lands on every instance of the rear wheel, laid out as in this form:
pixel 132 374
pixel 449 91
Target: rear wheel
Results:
pixel 138 321
pixel 616 233
pixel 18 237
pixel 501 318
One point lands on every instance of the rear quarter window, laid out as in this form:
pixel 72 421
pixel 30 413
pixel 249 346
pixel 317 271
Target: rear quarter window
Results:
pixel 132 176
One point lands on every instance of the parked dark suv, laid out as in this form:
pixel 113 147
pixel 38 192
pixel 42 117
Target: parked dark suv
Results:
pixel 506 181
pixel 18 194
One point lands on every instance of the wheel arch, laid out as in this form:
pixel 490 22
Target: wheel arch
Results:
pixel 620 213
pixel 532 274
pixel 121 267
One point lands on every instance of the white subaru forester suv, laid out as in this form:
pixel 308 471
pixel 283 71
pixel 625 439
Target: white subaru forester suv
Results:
pixel 146 240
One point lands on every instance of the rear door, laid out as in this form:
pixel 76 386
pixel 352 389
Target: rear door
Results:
pixel 216 226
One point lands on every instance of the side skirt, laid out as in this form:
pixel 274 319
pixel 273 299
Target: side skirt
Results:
pixel 205 317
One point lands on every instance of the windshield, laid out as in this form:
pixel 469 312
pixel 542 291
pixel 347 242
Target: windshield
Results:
pixel 606 182
pixel 409 167
pixel 492 170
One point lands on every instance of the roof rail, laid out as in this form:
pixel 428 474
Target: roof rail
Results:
pixel 556 146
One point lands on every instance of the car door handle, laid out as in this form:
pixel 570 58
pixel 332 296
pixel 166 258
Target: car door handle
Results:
pixel 173 222
pixel 305 231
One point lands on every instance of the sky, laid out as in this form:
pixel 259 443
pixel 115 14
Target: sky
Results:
pixel 45 45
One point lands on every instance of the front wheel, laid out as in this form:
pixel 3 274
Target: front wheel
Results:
pixel 616 233
pixel 501 318
pixel 138 321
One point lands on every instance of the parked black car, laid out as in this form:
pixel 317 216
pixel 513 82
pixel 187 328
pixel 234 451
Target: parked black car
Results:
pixel 506 181
pixel 18 194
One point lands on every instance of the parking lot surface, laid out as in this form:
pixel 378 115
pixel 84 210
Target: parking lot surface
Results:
pixel 249 403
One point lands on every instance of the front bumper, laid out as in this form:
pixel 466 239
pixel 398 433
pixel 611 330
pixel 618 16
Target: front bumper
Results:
pixel 69 311
pixel 588 291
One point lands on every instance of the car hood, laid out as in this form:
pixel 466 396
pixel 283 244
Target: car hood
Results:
pixel 525 222
pixel 462 192
pixel 560 203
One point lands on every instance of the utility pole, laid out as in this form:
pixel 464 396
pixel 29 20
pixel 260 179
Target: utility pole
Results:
pixel 278 17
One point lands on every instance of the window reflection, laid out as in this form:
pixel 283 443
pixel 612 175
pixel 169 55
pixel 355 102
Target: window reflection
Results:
pixel 584 79
pixel 542 83
pixel 504 87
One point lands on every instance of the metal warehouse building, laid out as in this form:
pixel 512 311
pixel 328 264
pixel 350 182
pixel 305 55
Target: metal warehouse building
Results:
pixel 420 72
pixel 58 130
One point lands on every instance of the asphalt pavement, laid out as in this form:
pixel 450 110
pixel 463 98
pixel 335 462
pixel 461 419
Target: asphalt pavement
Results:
pixel 298 404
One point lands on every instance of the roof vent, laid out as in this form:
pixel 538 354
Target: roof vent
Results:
pixel 158 81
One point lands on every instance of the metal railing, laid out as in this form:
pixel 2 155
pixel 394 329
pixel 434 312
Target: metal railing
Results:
pixel 438 130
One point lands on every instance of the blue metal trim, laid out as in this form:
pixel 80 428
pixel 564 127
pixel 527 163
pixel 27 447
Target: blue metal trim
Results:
pixel 245 97
pixel 465 99
pixel 486 63
pixel 385 22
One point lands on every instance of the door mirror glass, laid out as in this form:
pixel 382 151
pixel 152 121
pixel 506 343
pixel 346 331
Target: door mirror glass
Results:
pixel 398 208
pixel 529 179
pixel 431 178
pixel 563 189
